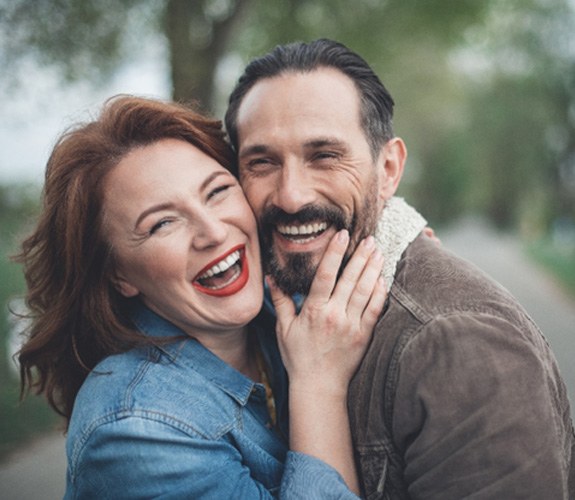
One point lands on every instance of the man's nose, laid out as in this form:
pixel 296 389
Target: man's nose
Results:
pixel 294 188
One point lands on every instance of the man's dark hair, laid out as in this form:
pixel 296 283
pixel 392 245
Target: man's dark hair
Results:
pixel 376 102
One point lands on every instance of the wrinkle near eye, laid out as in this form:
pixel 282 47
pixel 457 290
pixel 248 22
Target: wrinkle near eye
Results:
pixel 135 239
pixel 350 169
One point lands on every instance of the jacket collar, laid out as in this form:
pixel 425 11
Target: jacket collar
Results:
pixel 187 351
pixel 397 227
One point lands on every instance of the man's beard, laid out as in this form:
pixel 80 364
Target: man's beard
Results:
pixel 297 273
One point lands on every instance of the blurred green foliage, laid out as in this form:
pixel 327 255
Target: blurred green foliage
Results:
pixel 19 421
pixel 485 91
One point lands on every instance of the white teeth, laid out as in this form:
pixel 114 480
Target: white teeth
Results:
pixel 303 230
pixel 222 266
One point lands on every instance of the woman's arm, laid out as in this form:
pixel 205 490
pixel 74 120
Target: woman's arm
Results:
pixel 322 347
pixel 149 457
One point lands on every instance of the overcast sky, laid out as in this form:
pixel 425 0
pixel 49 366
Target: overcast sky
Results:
pixel 34 115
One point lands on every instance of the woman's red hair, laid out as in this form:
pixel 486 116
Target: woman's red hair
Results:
pixel 77 316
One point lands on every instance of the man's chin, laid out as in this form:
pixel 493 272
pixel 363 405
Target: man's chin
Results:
pixel 292 285
pixel 295 275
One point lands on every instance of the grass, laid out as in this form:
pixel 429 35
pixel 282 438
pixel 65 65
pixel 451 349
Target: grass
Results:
pixel 558 260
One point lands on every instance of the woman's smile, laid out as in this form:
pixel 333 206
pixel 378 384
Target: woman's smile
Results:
pixel 224 276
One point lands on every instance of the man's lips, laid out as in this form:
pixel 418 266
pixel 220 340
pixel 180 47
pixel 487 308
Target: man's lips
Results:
pixel 224 276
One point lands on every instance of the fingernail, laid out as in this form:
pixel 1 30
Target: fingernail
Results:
pixel 343 236
pixel 369 242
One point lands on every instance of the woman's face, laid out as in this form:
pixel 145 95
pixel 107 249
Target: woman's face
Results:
pixel 184 238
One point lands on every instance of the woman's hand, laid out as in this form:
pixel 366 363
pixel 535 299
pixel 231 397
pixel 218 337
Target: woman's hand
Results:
pixel 324 344
pixel 322 347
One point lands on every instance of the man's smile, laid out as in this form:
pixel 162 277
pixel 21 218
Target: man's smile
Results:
pixel 302 233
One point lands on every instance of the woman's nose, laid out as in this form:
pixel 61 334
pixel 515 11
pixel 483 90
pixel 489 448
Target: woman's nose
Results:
pixel 209 231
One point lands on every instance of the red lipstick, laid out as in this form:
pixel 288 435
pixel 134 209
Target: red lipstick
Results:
pixel 235 286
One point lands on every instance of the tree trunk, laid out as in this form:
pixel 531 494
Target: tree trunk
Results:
pixel 197 43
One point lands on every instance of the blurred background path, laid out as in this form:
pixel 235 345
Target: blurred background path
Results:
pixel 35 472
pixel 38 472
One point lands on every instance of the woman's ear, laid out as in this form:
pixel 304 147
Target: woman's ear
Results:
pixel 124 287
pixel 391 161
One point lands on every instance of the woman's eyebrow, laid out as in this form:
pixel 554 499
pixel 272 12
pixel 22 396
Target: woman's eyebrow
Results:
pixel 167 205
pixel 211 177
pixel 151 210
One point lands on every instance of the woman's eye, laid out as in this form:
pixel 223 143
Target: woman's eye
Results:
pixel 159 225
pixel 219 189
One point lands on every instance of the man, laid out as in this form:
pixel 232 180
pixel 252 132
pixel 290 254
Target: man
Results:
pixel 458 395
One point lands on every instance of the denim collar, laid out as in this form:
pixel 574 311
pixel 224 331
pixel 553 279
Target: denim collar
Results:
pixel 189 352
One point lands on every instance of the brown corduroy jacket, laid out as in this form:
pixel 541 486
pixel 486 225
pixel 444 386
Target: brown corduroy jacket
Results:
pixel 459 395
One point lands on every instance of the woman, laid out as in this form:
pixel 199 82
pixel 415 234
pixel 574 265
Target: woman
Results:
pixel 145 287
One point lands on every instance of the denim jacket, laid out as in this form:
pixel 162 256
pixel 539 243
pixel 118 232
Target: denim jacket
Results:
pixel 459 395
pixel 178 422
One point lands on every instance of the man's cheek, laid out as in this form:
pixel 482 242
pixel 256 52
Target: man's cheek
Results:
pixel 251 192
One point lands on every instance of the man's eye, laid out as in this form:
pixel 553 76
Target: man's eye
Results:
pixel 260 166
pixel 326 155
pixel 259 162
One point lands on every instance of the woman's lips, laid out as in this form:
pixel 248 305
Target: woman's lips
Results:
pixel 225 275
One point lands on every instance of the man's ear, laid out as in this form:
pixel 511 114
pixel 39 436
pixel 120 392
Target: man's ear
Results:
pixel 124 286
pixel 391 161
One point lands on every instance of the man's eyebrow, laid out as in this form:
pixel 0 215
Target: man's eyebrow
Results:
pixel 322 142
pixel 319 142
pixel 256 149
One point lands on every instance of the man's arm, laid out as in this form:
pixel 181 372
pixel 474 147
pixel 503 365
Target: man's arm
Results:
pixel 476 412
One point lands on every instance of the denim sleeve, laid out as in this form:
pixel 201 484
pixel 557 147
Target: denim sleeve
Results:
pixel 310 478
pixel 477 411
pixel 136 458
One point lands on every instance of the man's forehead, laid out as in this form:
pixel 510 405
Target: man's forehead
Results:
pixel 314 100
pixel 299 85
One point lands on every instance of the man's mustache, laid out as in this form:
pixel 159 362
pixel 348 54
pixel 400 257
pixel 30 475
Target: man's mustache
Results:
pixel 273 216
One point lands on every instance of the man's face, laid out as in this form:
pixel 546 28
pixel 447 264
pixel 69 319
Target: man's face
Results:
pixel 306 169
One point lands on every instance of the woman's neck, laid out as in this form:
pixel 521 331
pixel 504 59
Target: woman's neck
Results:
pixel 235 348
